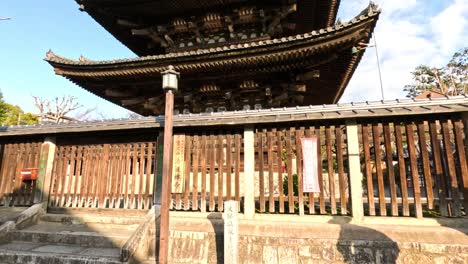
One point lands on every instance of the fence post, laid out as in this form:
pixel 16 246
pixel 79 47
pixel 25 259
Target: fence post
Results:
pixel 249 173
pixel 46 162
pixel 355 175
pixel 158 168
pixel 465 177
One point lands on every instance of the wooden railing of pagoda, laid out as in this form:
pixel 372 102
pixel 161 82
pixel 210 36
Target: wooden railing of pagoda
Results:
pixel 397 165
pixel 213 171
pixel 280 178
pixel 104 176
pixel 16 157
pixel 411 166
pixel 414 165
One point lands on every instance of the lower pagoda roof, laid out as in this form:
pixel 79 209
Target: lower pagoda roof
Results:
pixel 306 69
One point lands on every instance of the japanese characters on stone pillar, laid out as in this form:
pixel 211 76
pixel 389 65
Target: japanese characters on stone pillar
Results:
pixel 231 232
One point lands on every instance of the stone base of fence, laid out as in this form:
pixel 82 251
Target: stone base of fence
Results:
pixel 200 240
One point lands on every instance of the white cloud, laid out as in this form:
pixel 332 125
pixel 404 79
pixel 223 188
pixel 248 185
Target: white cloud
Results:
pixel 450 26
pixel 409 33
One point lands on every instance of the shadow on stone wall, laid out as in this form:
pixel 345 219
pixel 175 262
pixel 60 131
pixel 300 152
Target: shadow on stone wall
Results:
pixel 359 244
pixel 217 223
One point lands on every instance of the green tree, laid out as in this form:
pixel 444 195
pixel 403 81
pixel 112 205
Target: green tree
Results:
pixel 14 115
pixel 450 80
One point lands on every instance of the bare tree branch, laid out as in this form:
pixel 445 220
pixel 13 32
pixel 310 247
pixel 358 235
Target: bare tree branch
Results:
pixel 60 110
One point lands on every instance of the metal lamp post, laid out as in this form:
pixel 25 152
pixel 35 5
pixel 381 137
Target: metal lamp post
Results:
pixel 170 79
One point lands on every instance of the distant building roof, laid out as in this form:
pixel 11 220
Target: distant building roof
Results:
pixel 430 94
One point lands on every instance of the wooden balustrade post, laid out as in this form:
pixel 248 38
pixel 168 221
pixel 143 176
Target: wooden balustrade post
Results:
pixel 465 177
pixel 355 175
pixel 249 173
pixel 158 172
pixel 44 178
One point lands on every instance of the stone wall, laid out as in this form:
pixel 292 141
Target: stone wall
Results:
pixel 390 245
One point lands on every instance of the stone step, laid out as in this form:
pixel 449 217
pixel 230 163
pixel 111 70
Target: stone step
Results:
pixel 97 235
pixel 88 218
pixel 84 239
pixel 44 253
pixel 150 261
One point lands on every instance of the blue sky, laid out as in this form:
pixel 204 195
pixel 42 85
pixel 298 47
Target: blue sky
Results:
pixel 409 33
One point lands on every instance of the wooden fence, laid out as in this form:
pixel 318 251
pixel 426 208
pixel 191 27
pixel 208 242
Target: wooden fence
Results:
pixel 15 157
pixel 213 171
pixel 104 176
pixel 279 165
pixel 413 165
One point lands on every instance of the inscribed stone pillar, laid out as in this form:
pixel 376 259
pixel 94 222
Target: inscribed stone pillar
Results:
pixel 231 233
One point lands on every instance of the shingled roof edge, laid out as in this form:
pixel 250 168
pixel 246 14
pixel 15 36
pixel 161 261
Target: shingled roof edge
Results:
pixel 373 13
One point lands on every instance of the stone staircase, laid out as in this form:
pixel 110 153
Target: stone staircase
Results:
pixel 70 239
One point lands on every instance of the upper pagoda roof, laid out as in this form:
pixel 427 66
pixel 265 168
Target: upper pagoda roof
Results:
pixel 332 54
pixel 150 27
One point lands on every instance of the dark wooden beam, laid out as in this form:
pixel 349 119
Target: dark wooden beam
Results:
pixel 119 93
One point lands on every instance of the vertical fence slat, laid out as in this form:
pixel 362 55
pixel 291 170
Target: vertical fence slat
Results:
pixel 212 157
pixel 279 148
pixel 341 176
pixel 368 169
pixel 378 165
pixel 119 153
pixel 204 157
pixel 149 162
pixel 17 183
pixel 390 169
pixel 271 188
pixel 141 176
pixel 414 169
pixel 261 166
pixel 228 167
pixel 3 171
pixel 238 165
pixel 318 134
pixel 63 176
pixel 220 172
pixel 78 176
pixel 289 170
pixel 195 171
pixel 299 170
pixel 84 167
pixel 188 156
pixel 460 145
pixel 451 169
pixel 104 177
pixel 127 175
pixel 426 165
pixel 402 169
pixel 331 171
pixel 71 173
pixel 436 157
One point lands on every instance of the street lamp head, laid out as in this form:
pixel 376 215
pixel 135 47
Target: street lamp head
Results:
pixel 170 79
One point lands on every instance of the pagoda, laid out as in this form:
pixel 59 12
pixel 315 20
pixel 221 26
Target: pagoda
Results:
pixel 232 54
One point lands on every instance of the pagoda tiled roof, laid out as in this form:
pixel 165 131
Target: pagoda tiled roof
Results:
pixel 328 50
pixel 312 14
pixel 257 47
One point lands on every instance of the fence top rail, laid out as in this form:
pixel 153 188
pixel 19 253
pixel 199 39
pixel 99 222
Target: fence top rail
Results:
pixel 400 107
